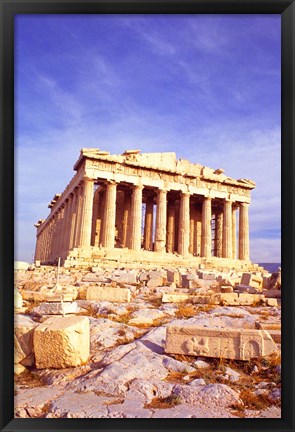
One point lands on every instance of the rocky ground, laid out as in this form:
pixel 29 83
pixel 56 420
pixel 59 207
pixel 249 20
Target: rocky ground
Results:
pixel 128 374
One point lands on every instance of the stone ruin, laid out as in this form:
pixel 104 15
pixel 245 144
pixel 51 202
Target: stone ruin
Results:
pixel 142 209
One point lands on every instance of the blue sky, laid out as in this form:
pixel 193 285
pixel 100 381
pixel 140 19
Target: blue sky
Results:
pixel 204 86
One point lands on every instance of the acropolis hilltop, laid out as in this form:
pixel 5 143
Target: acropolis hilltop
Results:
pixel 144 209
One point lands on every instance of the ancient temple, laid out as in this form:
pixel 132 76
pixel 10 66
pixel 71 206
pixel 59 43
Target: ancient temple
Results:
pixel 147 207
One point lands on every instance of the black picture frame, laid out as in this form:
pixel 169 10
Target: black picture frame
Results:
pixel 8 9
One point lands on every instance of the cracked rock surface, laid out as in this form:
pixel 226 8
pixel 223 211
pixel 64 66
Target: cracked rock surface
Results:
pixel 128 373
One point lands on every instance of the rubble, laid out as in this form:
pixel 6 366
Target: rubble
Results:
pixel 62 342
pixel 124 368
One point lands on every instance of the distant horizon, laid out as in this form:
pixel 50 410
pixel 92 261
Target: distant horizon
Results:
pixel 207 87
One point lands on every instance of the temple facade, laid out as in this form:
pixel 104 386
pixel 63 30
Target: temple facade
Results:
pixel 147 205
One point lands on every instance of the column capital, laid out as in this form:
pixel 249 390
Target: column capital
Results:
pixel 138 186
pixel 164 190
pixel 111 182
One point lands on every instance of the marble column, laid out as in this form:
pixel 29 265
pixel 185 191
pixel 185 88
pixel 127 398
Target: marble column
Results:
pixel 126 218
pixel 244 232
pixel 170 226
pixel 206 228
pixel 100 216
pixel 176 224
pixel 184 224
pixel 55 235
pixel 161 221
pixel 59 231
pixel 148 224
pixel 218 233
pixel 73 219
pixel 65 227
pixel 109 217
pixel 192 230
pixel 119 218
pixel 94 215
pixel 86 212
pixel 78 218
pixel 68 220
pixel 198 232
pixel 136 215
pixel 234 233
pixel 227 230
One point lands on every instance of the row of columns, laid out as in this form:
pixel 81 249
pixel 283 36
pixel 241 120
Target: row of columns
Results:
pixel 87 218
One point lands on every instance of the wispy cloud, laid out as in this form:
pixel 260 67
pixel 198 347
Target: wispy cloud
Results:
pixel 196 85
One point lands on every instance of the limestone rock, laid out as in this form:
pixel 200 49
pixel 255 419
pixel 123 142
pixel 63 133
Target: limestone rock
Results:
pixel 145 316
pixel 275 281
pixel 21 265
pixel 239 344
pixel 62 342
pixel 55 308
pixel 108 294
pixel 210 395
pixel 23 340
pixel 18 300
pixel 253 280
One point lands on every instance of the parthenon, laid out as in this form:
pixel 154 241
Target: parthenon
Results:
pixel 146 205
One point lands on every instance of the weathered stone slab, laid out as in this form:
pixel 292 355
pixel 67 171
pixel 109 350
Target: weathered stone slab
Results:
pixel 207 275
pixel 155 281
pixel 121 276
pixel 231 299
pixel 174 276
pixel 242 299
pixel 226 289
pixel 62 342
pixel 239 344
pixel 273 293
pixel 55 308
pixel 250 299
pixel 108 294
pixel 23 340
pixel 252 279
pixel 275 281
pixel 18 300
pixel 21 265
pixel 271 302
pixel 175 298
pixel 47 297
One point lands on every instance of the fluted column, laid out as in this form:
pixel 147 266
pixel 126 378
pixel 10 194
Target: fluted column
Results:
pixel 59 231
pixel 51 227
pixel 109 218
pixel 244 232
pixel 171 226
pixel 206 228
pixel 55 235
pixel 227 230
pixel 126 219
pixel 234 233
pixel 161 221
pixel 94 215
pixel 184 224
pixel 148 224
pixel 78 217
pixel 192 229
pixel 136 215
pixel 64 228
pixel 218 233
pixel 86 212
pixel 119 217
pixel 73 219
